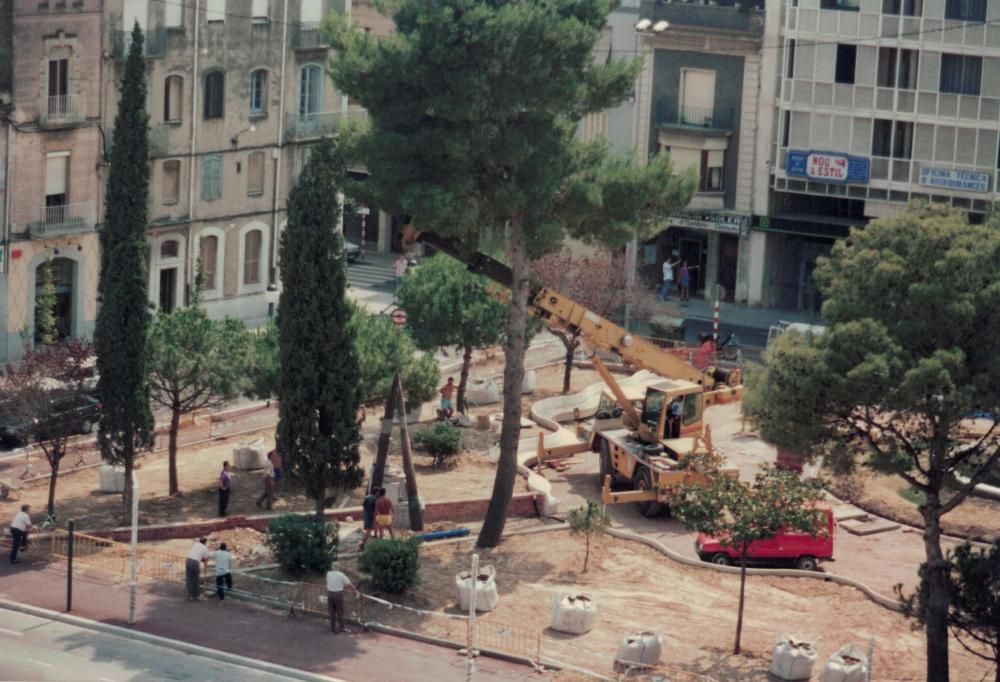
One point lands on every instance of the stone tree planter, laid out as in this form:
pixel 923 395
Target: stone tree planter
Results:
pixel 250 455
pixel 112 479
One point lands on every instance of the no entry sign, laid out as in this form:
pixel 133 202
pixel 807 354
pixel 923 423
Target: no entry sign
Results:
pixel 399 317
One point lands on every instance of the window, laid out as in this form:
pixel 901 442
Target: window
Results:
pixel 711 171
pixel 886 76
pixel 208 254
pixel 170 249
pixel 965 10
pixel 697 97
pixel 171 181
pixel 255 174
pixel 847 57
pixel 56 198
pixel 173 14
pixel 215 10
pixel 311 11
pixel 961 75
pixel 844 5
pixel 790 62
pixel 259 11
pixel 786 128
pixel 258 91
pixel 215 94
pixel 173 99
pixel 211 177
pixel 892 139
pixel 310 89
pixel 58 87
pixel 906 8
pixel 251 257
pixel 909 60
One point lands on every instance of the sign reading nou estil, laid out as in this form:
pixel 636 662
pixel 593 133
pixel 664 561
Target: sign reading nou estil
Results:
pixel 949 178
pixel 827 166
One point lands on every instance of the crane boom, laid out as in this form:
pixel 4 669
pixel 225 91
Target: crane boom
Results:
pixel 564 314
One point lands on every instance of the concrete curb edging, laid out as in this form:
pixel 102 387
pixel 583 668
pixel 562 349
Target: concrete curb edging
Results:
pixel 177 645
pixel 879 599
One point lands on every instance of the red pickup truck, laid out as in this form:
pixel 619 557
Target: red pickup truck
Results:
pixel 802 550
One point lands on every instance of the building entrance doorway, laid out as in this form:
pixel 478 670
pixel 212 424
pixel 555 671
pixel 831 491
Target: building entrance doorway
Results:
pixel 168 289
pixel 692 251
pixel 729 248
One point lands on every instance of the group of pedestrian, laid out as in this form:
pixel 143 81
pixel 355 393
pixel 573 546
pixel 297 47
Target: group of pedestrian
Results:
pixel 19 532
pixel 199 555
pixel 683 278
pixel 378 516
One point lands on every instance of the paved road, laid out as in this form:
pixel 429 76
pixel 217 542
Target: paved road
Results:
pixel 34 648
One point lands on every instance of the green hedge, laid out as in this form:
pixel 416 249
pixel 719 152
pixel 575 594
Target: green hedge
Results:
pixel 394 565
pixel 302 543
pixel 441 441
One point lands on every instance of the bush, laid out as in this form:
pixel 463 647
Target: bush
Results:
pixel 394 565
pixel 302 543
pixel 441 441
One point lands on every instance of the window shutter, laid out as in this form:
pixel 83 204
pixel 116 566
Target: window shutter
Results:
pixel 211 177
pixel 216 10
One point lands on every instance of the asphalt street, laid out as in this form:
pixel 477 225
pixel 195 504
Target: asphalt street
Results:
pixel 34 648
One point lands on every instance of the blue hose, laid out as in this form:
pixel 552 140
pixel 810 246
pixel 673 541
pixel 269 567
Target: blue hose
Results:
pixel 444 534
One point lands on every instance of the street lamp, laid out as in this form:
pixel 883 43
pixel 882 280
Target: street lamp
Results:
pixel 236 138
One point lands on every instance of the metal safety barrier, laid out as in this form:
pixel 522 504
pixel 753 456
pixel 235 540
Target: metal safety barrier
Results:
pixel 116 556
pixel 509 639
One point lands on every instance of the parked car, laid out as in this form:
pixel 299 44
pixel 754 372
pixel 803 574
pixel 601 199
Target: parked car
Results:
pixel 352 250
pixel 71 413
pixel 801 550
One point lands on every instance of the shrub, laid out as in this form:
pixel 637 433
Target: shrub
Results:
pixel 302 543
pixel 394 565
pixel 441 441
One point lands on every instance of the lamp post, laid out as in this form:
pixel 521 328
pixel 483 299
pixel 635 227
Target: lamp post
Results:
pixel 135 542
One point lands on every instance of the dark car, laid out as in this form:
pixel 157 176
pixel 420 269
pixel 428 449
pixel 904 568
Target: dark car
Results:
pixel 64 414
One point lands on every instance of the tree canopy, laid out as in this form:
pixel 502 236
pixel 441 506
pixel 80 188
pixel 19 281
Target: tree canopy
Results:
pixel 909 351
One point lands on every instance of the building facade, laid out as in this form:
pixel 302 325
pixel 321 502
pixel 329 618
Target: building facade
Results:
pixel 877 102
pixel 697 99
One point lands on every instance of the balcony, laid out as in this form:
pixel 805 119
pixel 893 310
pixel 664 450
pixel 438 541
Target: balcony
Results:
pixel 715 120
pixel 56 221
pixel 743 16
pixel 63 110
pixel 155 45
pixel 305 126
pixel 308 36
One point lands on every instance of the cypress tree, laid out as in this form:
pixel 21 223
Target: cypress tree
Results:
pixel 123 319
pixel 319 389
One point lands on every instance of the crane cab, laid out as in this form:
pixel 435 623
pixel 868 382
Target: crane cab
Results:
pixel 657 420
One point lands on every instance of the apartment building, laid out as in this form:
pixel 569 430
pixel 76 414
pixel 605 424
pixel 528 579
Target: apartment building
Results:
pixel 878 102
pixel 51 147
pixel 697 98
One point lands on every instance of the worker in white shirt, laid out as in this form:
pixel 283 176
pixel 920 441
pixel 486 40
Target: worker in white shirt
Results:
pixel 19 531
pixel 223 576
pixel 668 277
pixel 197 555
pixel 336 582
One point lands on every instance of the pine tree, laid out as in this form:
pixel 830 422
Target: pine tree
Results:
pixel 319 389
pixel 123 319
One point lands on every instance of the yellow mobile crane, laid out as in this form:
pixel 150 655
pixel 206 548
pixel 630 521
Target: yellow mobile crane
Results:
pixel 645 452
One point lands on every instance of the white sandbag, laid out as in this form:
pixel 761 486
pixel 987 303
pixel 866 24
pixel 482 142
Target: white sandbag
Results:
pixel 848 664
pixel 573 614
pixel 112 478
pixel 640 648
pixel 793 658
pixel 528 383
pixel 487 596
pixel 250 455
pixel 482 392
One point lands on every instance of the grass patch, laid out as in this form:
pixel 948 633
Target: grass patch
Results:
pixel 913 496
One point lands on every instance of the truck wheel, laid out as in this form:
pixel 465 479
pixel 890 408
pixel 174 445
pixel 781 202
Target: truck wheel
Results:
pixel 644 481
pixel 806 563
pixel 720 559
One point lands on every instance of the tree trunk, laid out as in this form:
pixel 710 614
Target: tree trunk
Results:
pixel 320 490
pixel 412 496
pixel 571 343
pixel 382 452
pixel 739 613
pixel 939 593
pixel 464 380
pixel 586 554
pixel 513 376
pixel 175 425
pixel 54 467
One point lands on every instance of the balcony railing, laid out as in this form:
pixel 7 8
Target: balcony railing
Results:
pixel 60 109
pixel 154 46
pixel 54 221
pixel 304 126
pixel 745 16
pixel 308 36
pixel 671 115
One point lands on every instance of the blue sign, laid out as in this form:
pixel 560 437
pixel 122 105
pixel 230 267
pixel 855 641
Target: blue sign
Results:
pixel 949 178
pixel 827 166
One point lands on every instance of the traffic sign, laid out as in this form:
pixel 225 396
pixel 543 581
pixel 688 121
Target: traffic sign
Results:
pixel 399 317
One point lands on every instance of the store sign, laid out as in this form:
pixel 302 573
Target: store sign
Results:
pixel 713 222
pixel 827 166
pixel 949 178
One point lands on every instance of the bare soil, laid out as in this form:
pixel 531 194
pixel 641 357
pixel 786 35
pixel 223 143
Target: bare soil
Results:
pixel 694 610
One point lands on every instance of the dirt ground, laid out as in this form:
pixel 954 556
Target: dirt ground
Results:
pixel 694 610
pixel 976 518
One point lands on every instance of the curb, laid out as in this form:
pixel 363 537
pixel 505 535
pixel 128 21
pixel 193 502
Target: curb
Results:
pixel 176 645
pixel 879 599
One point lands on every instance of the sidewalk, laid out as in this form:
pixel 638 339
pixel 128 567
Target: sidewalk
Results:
pixel 235 627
